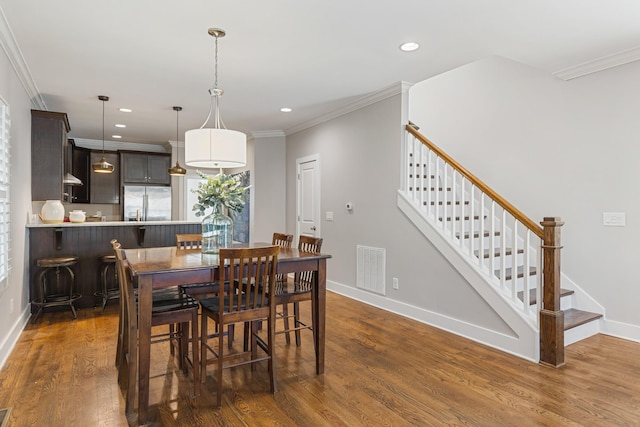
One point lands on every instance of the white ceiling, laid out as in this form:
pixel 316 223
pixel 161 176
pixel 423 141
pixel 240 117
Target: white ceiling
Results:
pixel 314 56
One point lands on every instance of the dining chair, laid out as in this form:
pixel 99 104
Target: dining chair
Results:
pixel 200 290
pixel 283 241
pixel 189 241
pixel 298 291
pixel 169 307
pixel 244 302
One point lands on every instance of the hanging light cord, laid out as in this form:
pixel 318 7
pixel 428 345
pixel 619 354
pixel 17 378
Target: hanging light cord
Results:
pixel 102 127
pixel 215 93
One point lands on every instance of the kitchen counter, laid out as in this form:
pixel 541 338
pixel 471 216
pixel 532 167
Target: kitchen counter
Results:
pixel 91 240
pixel 111 224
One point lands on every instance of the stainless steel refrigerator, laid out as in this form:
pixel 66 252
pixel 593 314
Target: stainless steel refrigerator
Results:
pixel 147 203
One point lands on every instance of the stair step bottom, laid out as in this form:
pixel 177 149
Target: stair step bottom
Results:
pixel 533 295
pixel 574 317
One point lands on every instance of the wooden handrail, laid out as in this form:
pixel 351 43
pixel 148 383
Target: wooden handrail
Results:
pixel 522 218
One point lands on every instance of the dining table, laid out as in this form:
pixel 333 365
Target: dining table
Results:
pixel 164 267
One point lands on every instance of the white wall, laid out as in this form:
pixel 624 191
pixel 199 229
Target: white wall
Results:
pixel 360 158
pixel 14 301
pixel 269 191
pixel 552 148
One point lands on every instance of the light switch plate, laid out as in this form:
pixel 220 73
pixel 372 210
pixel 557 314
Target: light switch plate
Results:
pixel 614 219
pixel 329 216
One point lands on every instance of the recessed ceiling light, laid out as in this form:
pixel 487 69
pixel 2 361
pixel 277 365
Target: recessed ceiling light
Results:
pixel 409 46
pixel 118 125
pixel 116 136
pixel 286 110
pixel 126 110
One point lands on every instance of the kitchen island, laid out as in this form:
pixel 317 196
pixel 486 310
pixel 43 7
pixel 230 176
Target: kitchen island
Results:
pixel 89 241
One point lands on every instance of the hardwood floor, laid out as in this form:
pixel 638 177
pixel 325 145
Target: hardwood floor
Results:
pixel 381 370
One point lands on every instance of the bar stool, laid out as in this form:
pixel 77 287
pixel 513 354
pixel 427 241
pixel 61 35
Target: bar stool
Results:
pixel 107 293
pixel 56 295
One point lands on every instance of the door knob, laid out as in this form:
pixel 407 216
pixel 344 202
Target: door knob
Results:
pixel 313 228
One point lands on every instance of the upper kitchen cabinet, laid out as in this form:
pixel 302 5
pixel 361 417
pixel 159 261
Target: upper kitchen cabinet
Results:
pixel 80 167
pixel 145 168
pixel 48 151
pixel 105 187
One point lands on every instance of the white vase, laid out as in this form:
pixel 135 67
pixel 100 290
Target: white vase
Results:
pixel 77 216
pixel 52 212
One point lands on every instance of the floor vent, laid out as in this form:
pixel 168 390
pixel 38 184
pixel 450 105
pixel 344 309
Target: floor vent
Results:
pixel 371 269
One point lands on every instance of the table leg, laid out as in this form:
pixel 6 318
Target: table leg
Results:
pixel 145 298
pixel 320 302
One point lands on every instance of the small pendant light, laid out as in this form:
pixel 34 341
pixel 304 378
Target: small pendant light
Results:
pixel 177 170
pixel 102 166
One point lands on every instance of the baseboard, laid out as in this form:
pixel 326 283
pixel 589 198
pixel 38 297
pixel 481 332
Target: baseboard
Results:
pixel 497 340
pixel 620 330
pixel 14 334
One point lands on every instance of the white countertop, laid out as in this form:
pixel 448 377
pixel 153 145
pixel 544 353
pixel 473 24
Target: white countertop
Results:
pixel 110 224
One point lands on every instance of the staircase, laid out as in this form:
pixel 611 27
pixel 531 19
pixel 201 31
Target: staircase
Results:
pixel 511 261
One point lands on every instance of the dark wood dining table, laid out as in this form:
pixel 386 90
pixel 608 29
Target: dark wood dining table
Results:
pixel 157 268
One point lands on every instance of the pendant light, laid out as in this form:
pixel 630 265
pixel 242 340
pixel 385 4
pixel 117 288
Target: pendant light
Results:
pixel 177 170
pixel 102 166
pixel 215 147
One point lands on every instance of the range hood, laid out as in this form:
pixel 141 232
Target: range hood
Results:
pixel 71 180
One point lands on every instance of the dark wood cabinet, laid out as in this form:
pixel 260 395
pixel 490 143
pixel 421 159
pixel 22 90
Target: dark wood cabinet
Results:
pixel 48 153
pixel 146 168
pixel 80 168
pixel 105 187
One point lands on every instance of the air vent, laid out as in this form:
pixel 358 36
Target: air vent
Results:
pixel 371 269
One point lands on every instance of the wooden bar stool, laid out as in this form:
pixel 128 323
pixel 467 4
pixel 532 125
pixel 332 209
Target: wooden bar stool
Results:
pixel 106 292
pixel 60 292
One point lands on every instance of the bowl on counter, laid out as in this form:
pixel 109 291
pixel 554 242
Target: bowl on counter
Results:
pixel 77 216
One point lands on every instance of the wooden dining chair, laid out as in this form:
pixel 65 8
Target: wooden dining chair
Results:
pixel 200 290
pixel 245 302
pixel 169 307
pixel 189 241
pixel 283 241
pixel 298 291
pixel 197 290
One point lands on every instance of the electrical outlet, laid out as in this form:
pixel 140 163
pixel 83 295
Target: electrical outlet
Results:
pixel 396 283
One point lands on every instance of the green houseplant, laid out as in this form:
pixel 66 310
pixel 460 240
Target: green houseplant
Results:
pixel 224 194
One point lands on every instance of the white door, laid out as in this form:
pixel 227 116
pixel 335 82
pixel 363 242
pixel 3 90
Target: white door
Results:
pixel 308 193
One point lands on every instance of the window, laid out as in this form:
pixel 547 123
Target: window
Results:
pixel 5 161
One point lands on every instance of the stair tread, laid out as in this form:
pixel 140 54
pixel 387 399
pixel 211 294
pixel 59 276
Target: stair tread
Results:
pixel 574 317
pixel 476 234
pixel 533 294
pixel 440 202
pixel 507 251
pixel 466 218
pixel 520 272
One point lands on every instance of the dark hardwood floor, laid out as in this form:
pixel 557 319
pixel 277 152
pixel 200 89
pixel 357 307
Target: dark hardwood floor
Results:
pixel 381 370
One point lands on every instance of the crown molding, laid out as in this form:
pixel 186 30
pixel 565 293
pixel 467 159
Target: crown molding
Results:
pixel 364 101
pixel 599 64
pixel 14 54
pixel 268 134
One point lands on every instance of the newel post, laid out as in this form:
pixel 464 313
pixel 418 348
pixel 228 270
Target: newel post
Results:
pixel 551 316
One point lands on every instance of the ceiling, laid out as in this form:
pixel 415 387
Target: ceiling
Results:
pixel 311 56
